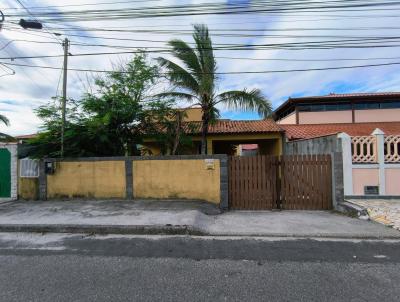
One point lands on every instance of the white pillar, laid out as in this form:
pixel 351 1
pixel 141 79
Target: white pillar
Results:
pixel 380 150
pixel 347 163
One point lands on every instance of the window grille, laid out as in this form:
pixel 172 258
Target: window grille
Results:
pixel 29 168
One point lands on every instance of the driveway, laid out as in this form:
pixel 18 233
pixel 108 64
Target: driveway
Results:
pixel 384 211
pixel 178 217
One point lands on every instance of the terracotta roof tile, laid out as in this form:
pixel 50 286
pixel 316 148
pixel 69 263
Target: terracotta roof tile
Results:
pixel 228 126
pixel 294 132
pixel 26 136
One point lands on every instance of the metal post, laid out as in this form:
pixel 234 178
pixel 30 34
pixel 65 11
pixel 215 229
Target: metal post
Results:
pixel 64 97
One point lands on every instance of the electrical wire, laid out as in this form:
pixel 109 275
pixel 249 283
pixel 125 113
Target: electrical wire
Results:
pixel 217 57
pixel 86 4
pixel 351 42
pixel 8 70
pixel 216 9
pixel 34 17
pixel 217 73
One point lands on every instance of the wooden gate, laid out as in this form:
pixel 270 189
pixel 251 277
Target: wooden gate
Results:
pixel 306 182
pixel 253 182
pixel 296 182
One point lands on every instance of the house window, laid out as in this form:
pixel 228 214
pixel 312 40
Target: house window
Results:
pixel 390 105
pixel 29 168
pixel 366 105
pixel 377 105
pixel 324 107
pixel 344 107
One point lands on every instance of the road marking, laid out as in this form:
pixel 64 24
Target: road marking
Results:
pixel 380 256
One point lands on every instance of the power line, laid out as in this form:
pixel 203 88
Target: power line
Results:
pixel 350 42
pixel 217 57
pixel 218 73
pixel 85 4
pixel 217 9
pixel 8 70
pixel 27 10
pixel 230 35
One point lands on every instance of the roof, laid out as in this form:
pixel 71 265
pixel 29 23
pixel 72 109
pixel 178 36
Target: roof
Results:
pixel 338 97
pixel 294 132
pixel 26 136
pixel 351 96
pixel 231 127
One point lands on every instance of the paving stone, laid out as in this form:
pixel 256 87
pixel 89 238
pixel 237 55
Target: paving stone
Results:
pixel 386 212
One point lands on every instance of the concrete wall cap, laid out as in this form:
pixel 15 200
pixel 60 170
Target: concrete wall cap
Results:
pixel 378 131
pixel 343 135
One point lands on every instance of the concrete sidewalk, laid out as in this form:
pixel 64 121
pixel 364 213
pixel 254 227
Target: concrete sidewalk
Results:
pixel 177 217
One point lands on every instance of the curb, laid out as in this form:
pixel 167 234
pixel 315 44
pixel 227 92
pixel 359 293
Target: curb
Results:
pixel 353 209
pixel 167 230
pixel 102 229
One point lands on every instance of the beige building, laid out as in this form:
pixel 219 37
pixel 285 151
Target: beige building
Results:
pixel 340 108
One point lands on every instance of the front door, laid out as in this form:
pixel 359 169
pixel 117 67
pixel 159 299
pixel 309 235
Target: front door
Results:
pixel 5 173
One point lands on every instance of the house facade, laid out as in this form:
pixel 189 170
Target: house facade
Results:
pixel 364 128
pixel 227 136
pixel 340 108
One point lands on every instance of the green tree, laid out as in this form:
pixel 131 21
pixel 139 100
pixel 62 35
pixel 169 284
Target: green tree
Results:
pixel 169 129
pixel 196 80
pixel 111 121
pixel 48 141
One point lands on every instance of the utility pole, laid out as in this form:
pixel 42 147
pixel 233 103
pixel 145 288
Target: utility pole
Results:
pixel 64 96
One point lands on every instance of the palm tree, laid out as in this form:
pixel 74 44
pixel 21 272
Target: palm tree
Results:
pixel 196 79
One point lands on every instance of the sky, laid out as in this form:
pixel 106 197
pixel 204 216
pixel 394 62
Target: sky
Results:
pixel 30 87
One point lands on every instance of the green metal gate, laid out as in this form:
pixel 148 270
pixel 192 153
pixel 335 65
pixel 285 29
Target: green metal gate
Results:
pixel 5 173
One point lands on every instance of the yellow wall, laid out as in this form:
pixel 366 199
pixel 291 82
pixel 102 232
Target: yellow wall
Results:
pixel 188 179
pixel 28 188
pixel 193 114
pixel 272 139
pixel 87 179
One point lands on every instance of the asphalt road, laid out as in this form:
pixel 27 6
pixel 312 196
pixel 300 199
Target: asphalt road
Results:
pixel 134 268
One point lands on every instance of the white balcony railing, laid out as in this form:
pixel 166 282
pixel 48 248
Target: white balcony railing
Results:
pixel 392 149
pixel 364 149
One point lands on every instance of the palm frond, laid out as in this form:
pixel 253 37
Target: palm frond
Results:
pixel 182 51
pixel 206 57
pixel 174 94
pixel 4 120
pixel 245 100
pixel 179 76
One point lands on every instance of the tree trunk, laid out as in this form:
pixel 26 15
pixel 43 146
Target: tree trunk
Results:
pixel 178 127
pixel 204 132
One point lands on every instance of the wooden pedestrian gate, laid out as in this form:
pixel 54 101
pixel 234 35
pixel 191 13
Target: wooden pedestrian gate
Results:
pixel 293 182
pixel 253 182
